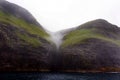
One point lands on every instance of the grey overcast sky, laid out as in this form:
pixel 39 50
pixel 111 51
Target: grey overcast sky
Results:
pixel 56 15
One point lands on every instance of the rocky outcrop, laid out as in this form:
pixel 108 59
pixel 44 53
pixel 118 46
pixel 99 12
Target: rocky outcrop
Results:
pixel 18 12
pixel 93 46
pixel 26 46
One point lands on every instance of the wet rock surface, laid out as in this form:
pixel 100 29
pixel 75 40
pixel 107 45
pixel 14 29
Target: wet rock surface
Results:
pixel 25 45
pixel 20 49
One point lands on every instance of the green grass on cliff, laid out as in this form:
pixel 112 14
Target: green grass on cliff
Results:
pixel 24 26
pixel 17 22
pixel 29 39
pixel 78 36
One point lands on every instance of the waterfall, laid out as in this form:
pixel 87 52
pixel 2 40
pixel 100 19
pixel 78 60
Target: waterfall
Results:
pixel 56 38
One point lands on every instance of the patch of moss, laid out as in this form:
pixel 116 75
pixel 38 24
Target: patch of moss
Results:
pixel 31 40
pixel 78 36
pixel 25 26
pixel 17 22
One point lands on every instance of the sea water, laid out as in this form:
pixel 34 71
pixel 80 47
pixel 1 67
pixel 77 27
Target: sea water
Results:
pixel 59 76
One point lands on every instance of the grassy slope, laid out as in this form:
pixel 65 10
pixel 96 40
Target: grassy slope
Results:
pixel 78 36
pixel 29 28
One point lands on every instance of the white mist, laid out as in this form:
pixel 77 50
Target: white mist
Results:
pixel 56 38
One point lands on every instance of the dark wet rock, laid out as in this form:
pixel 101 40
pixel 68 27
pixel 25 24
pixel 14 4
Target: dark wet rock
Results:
pixel 25 45
pixel 93 54
pixel 21 47
pixel 95 50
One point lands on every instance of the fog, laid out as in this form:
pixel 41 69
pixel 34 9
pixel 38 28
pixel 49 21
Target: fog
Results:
pixel 55 15
pixel 56 38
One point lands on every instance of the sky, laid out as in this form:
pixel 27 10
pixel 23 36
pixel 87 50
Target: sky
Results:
pixel 55 15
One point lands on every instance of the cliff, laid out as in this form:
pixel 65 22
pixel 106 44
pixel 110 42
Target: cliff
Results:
pixel 94 45
pixel 26 46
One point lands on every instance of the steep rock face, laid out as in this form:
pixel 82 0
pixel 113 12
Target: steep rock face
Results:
pixel 24 44
pixel 17 11
pixel 93 46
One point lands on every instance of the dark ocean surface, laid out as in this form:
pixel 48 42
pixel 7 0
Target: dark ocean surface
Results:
pixel 59 76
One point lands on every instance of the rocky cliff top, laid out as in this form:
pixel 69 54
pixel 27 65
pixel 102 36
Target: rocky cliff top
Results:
pixel 17 11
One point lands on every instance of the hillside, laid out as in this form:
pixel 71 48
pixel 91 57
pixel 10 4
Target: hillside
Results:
pixel 26 46
pixel 23 42
pixel 94 45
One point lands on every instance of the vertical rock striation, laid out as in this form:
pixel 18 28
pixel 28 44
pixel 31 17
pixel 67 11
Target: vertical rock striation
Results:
pixel 26 46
